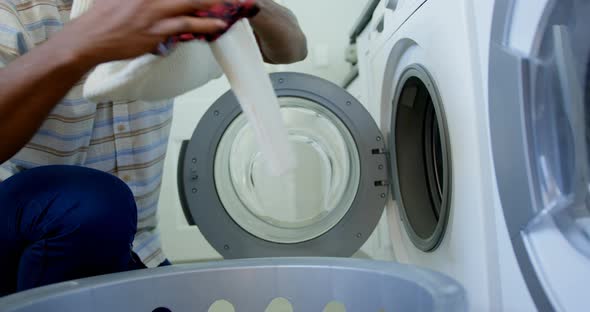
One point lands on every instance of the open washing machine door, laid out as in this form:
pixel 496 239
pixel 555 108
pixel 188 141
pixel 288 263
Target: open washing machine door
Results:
pixel 328 206
pixel 539 118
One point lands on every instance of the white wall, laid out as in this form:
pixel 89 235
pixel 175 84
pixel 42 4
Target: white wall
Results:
pixel 327 24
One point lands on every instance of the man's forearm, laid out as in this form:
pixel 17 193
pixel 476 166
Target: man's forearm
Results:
pixel 279 35
pixel 32 85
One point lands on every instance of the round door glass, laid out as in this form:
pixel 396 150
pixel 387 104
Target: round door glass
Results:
pixel 558 123
pixel 539 124
pixel 309 200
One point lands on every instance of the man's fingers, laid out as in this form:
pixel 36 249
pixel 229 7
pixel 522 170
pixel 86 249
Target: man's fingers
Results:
pixel 185 7
pixel 187 24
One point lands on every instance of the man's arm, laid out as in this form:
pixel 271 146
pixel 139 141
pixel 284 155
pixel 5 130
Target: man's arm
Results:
pixel 280 38
pixel 31 85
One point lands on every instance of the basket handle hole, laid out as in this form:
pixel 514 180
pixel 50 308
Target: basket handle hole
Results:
pixel 279 305
pixel 222 306
pixel 335 306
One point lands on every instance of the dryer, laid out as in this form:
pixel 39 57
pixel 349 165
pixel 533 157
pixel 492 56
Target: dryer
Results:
pixel 428 100
pixel 518 161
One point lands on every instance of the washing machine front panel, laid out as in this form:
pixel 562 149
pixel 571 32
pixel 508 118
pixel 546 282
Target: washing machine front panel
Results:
pixel 374 43
pixel 540 101
pixel 328 206
pixel 388 17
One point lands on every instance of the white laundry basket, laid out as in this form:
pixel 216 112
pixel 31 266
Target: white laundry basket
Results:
pixel 309 284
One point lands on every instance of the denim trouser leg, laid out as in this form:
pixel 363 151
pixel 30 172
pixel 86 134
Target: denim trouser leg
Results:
pixel 59 223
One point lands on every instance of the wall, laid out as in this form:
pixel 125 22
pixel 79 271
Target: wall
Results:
pixel 327 24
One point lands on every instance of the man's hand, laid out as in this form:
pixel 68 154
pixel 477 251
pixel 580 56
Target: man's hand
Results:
pixel 280 38
pixel 114 29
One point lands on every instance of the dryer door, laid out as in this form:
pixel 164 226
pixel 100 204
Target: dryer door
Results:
pixel 421 161
pixel 539 117
pixel 328 206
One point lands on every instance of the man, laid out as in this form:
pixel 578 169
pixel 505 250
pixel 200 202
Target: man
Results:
pixel 65 211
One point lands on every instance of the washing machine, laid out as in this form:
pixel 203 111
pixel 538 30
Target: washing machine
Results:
pixel 183 240
pixel 329 206
pixel 335 203
pixel 428 100
pixel 330 160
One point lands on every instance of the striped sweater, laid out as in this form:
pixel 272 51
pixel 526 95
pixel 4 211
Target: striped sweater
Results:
pixel 127 139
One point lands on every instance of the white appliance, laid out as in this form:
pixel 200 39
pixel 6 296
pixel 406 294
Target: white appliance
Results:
pixel 539 91
pixel 378 246
pixel 188 241
pixel 184 242
pixel 514 294
pixel 428 99
pixel 519 162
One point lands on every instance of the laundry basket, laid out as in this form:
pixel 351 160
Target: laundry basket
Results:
pixel 303 284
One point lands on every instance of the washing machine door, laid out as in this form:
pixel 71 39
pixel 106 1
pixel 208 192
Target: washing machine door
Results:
pixel 539 118
pixel 328 206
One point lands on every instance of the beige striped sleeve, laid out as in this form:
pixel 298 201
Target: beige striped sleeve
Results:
pixel 13 37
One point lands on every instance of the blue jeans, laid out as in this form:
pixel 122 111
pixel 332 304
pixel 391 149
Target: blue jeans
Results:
pixel 60 223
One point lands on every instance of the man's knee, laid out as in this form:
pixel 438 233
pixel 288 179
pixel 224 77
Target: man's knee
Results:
pixel 98 205
pixel 107 198
pixel 78 221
